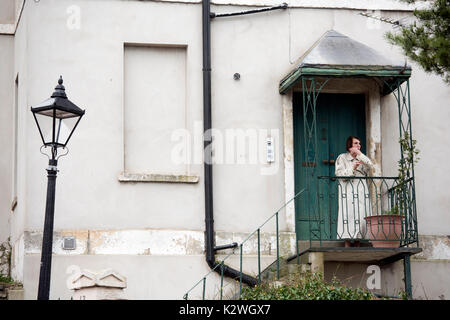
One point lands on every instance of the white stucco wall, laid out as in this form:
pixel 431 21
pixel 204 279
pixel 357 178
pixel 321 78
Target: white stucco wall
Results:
pixel 19 216
pixel 429 113
pixel 6 132
pixel 98 47
pixel 84 42
pixel 102 201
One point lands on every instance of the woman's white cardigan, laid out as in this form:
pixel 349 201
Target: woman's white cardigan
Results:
pixel 354 201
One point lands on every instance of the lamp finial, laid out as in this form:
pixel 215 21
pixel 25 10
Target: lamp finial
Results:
pixel 59 89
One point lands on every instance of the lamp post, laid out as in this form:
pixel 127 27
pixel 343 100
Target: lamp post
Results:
pixel 56 119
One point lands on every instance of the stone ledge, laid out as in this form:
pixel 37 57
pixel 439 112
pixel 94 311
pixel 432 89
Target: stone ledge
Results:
pixel 16 294
pixel 161 242
pixel 435 247
pixel 155 177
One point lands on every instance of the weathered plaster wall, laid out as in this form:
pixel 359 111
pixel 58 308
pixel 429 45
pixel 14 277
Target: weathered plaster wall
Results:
pixel 148 277
pixel 99 47
pixel 157 242
pixel 6 132
pixel 5 259
pixel 6 145
pixel 129 218
pixel 24 124
pixel 429 279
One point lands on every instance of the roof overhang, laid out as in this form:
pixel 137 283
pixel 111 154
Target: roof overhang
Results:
pixel 336 55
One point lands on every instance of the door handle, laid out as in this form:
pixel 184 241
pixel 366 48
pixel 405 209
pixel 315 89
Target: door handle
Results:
pixel 328 162
pixel 308 164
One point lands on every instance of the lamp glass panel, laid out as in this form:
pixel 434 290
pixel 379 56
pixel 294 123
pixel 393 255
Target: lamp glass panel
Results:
pixel 63 128
pixel 45 124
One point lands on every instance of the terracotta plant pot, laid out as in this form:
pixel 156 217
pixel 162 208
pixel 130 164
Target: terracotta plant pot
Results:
pixel 386 230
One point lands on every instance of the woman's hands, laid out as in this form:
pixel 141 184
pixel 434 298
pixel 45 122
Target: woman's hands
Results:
pixel 356 164
pixel 354 152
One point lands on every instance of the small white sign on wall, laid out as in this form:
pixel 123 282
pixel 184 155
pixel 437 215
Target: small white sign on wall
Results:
pixel 270 150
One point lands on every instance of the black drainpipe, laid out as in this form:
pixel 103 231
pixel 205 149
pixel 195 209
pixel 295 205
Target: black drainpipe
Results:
pixel 209 216
pixel 207 125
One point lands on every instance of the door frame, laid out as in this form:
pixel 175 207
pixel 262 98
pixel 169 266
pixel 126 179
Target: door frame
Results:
pixel 370 89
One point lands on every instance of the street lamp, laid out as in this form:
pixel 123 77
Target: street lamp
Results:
pixel 56 119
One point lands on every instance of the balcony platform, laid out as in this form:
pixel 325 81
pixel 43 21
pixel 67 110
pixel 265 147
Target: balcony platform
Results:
pixel 336 252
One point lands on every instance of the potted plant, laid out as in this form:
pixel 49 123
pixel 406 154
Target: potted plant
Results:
pixel 386 230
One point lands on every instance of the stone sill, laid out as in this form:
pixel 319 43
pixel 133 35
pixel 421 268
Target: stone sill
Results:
pixel 10 27
pixel 154 177
pixel 7 28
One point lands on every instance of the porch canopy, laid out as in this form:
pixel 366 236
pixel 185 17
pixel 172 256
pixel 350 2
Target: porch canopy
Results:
pixel 336 55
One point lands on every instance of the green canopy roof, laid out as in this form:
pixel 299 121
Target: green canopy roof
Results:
pixel 336 55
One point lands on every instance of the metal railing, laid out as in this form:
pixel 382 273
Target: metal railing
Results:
pixel 376 209
pixel 258 234
pixel 379 210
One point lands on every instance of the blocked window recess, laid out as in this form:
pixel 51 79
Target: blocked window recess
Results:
pixel 154 107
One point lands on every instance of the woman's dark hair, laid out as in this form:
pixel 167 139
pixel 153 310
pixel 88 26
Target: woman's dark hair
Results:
pixel 349 142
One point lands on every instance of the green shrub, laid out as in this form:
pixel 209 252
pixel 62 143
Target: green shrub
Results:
pixel 305 286
pixel 5 279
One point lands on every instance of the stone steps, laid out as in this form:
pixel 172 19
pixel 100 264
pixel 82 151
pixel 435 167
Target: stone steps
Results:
pixel 10 291
pixel 3 292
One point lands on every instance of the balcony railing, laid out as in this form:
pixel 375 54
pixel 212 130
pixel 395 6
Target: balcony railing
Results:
pixel 379 210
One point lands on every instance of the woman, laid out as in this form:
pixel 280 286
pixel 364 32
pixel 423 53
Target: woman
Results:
pixel 354 202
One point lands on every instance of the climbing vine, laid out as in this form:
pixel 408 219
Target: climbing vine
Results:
pixel 408 159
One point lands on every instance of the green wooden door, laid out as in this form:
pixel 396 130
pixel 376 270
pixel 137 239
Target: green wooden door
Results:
pixel 337 117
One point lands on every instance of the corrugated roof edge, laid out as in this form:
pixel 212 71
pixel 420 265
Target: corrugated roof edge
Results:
pixel 385 72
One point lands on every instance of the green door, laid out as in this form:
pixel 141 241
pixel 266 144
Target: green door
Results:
pixel 337 117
